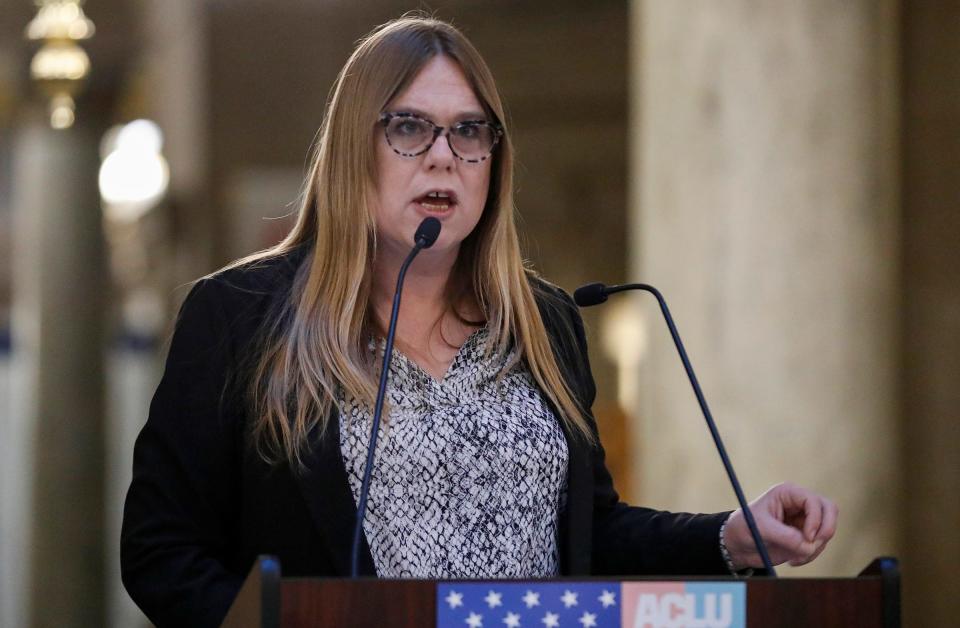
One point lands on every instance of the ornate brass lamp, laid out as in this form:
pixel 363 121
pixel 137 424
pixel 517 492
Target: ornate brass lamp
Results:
pixel 60 66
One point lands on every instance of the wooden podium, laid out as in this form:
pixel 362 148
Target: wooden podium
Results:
pixel 266 600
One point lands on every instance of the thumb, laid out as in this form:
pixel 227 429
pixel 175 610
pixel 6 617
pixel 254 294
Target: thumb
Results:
pixel 787 539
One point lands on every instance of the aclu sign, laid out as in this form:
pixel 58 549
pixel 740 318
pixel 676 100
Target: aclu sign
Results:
pixel 684 604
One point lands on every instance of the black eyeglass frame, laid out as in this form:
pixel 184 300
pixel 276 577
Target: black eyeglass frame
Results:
pixel 385 119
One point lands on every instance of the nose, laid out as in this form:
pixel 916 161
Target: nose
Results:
pixel 440 154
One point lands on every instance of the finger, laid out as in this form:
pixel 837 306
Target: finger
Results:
pixel 792 498
pixel 798 500
pixel 828 526
pixel 813 511
pixel 809 559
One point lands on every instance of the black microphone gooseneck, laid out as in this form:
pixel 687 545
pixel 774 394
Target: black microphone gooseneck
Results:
pixel 424 238
pixel 596 293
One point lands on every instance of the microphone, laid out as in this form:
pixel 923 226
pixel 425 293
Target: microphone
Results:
pixel 426 235
pixel 596 293
pixel 590 294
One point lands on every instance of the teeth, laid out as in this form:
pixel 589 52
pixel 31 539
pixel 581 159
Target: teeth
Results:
pixel 437 195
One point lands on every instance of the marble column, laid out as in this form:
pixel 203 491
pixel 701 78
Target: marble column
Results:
pixel 764 205
pixel 58 319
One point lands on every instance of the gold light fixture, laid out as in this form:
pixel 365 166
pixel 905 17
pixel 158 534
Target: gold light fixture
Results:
pixel 60 66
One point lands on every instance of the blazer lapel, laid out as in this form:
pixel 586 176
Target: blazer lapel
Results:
pixel 576 534
pixel 330 500
pixel 576 522
pixel 324 484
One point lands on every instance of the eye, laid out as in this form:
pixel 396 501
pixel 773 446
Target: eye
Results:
pixel 408 126
pixel 469 130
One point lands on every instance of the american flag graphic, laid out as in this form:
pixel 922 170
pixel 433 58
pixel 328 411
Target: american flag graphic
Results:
pixel 528 605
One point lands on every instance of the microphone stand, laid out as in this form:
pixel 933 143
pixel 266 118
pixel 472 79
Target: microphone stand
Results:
pixel 601 293
pixel 426 235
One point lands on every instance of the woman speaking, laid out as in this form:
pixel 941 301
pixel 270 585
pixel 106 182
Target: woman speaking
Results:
pixel 488 462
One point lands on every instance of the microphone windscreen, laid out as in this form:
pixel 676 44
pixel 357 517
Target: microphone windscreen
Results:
pixel 590 294
pixel 427 233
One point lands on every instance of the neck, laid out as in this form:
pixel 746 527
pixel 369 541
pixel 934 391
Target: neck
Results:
pixel 424 287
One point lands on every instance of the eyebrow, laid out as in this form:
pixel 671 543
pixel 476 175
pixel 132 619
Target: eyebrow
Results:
pixel 466 115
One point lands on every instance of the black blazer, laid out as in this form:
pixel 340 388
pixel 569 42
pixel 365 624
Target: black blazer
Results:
pixel 202 506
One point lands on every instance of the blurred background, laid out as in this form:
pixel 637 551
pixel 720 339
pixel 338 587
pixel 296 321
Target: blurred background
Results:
pixel 785 172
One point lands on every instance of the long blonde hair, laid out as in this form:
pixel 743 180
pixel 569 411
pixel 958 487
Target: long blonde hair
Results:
pixel 317 342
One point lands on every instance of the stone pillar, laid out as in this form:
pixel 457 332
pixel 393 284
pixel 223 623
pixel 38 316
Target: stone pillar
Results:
pixel 765 208
pixel 58 287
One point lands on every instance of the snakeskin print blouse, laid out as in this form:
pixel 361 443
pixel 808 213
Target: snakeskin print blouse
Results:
pixel 470 473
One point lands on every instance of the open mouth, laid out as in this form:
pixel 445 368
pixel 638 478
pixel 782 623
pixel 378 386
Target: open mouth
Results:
pixel 437 201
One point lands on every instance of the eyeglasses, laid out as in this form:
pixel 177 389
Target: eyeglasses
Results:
pixel 410 135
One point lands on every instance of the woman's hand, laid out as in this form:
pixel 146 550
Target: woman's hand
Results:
pixel 795 525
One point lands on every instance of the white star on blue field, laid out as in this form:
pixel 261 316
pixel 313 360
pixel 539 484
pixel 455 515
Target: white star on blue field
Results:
pixel 528 605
